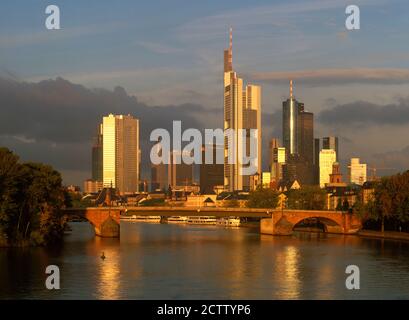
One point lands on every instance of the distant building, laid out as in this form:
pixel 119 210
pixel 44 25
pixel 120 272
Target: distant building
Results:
pixel 92 186
pixel 357 171
pixel 97 167
pixel 179 174
pixel 121 153
pixel 331 143
pixel 211 175
pixel 266 179
pixel 277 158
pixel 335 178
pixel 317 149
pixel 327 159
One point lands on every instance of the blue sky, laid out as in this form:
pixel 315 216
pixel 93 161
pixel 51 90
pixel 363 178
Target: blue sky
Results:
pixel 170 53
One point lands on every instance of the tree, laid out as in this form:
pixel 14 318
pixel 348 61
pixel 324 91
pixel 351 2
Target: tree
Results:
pixel 262 198
pixel 306 198
pixel 31 196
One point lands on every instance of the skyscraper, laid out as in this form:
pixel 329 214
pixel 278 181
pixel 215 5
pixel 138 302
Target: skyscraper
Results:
pixel 331 143
pixel 327 159
pixel 290 123
pixel 211 174
pixel 357 171
pixel 179 174
pixel 121 152
pixel 298 140
pixel 242 111
pixel 97 169
pixel 277 160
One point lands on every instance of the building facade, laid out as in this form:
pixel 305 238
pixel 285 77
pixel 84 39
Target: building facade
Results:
pixel 121 152
pixel 211 175
pixel 331 143
pixel 327 159
pixel 357 171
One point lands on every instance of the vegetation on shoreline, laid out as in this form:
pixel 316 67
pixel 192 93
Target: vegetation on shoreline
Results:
pixel 388 208
pixel 31 196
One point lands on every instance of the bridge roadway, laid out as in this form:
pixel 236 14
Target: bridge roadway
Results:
pixel 198 211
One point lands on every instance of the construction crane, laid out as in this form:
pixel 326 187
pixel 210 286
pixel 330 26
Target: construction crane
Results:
pixel 374 169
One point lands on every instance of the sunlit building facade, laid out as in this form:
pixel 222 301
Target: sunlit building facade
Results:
pixel 327 159
pixel 121 152
pixel 357 171
pixel 242 110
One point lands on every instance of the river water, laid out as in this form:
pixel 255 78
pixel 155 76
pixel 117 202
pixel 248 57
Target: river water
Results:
pixel 164 261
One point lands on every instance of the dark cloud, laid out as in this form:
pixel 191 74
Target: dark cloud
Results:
pixel 391 162
pixel 365 113
pixel 54 121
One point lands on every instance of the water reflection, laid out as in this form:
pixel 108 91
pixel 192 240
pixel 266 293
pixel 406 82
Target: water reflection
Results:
pixel 193 262
pixel 108 271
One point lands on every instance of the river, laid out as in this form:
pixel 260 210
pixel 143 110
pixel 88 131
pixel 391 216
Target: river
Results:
pixel 164 261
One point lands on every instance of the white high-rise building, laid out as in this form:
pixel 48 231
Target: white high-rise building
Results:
pixel 327 159
pixel 121 152
pixel 242 111
pixel 357 171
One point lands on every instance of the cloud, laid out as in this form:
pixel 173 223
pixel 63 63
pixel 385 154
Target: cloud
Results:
pixel 391 162
pixel 362 113
pixel 330 77
pixel 159 47
pixel 30 37
pixel 54 121
pixel 215 26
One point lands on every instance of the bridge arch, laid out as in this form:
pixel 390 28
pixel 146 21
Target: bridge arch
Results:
pixel 324 223
pixel 283 222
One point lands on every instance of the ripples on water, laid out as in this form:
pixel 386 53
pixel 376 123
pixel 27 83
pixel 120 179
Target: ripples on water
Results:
pixel 160 261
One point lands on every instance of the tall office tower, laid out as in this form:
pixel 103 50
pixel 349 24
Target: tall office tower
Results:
pixel 306 135
pixel 327 159
pixel 242 110
pixel 121 152
pixel 317 149
pixel 179 174
pixel 97 169
pixel 277 160
pixel 159 177
pixel 273 144
pixel 357 171
pixel 298 140
pixel 331 143
pixel 290 123
pixel 211 174
pixel 252 120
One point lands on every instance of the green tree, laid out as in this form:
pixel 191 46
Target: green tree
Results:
pixel 306 198
pixel 262 198
pixel 31 197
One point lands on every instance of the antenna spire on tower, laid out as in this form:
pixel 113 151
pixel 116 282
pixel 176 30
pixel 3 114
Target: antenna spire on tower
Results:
pixel 291 89
pixel 231 40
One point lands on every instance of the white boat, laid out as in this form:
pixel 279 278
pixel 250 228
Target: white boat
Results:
pixel 201 220
pixel 141 218
pixel 229 222
pixel 177 219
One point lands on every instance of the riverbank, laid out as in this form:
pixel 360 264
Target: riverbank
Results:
pixel 391 235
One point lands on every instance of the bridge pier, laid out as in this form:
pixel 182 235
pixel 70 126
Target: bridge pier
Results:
pixel 106 221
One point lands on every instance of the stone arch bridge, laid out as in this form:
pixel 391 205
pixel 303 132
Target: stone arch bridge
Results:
pixel 106 220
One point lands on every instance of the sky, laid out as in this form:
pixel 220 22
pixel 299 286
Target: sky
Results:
pixel 163 61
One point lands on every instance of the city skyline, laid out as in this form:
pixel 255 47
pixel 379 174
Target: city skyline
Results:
pixel 163 78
